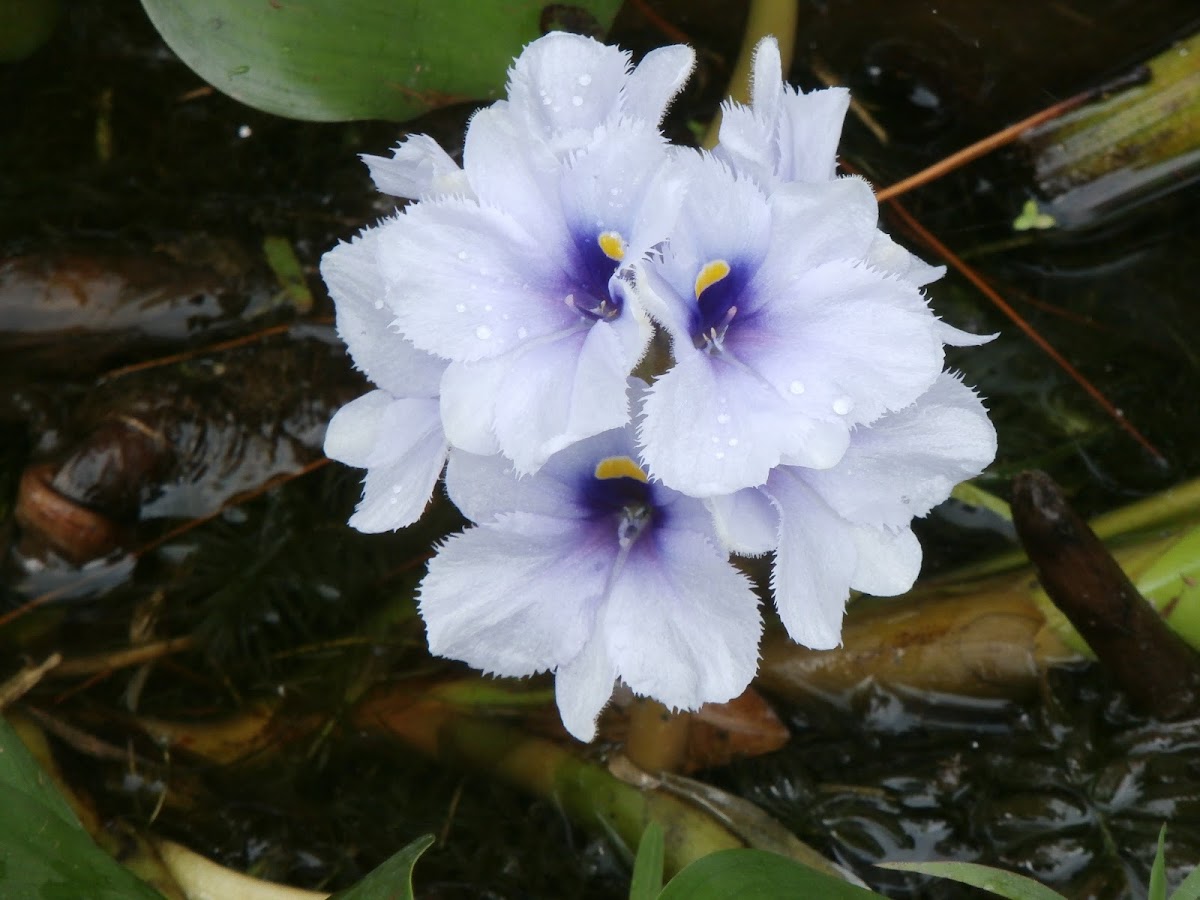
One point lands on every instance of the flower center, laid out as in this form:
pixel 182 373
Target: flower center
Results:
pixel 620 488
pixel 594 299
pixel 716 305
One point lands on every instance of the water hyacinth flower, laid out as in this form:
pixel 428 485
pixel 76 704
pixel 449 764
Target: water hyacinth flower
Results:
pixel 784 338
pixel 805 413
pixel 519 279
pixel 591 571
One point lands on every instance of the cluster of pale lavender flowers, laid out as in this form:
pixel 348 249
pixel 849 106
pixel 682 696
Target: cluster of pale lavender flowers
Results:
pixel 503 314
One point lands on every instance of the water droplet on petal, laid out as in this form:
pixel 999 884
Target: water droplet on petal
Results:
pixel 796 387
pixel 723 419
pixel 733 442
pixel 843 405
pixel 483 332
pixel 379 304
pixel 462 254
pixel 719 455
pixel 522 332
pixel 461 307
pixel 487 308
pixel 715 439
pixel 577 100
pixel 585 79
pixel 546 101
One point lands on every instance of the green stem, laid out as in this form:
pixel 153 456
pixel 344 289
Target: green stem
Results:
pixel 766 17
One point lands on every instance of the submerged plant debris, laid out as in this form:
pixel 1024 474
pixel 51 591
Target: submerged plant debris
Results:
pixel 126 183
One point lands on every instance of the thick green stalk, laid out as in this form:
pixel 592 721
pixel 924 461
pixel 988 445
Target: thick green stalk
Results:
pixel 766 18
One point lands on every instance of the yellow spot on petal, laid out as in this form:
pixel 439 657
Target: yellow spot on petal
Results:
pixel 613 245
pixel 709 275
pixel 620 467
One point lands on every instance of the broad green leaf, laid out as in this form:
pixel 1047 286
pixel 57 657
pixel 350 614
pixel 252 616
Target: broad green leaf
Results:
pixel 648 866
pixel 997 881
pixel 332 60
pixel 25 25
pixel 1190 889
pixel 44 850
pixel 757 875
pixel 20 771
pixel 393 879
pixel 1158 870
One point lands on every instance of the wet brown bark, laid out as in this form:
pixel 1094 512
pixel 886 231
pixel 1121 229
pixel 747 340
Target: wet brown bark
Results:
pixel 1153 664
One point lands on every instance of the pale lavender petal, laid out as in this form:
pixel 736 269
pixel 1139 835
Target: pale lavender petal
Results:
pixel 466 282
pixel 747 143
pixel 710 427
pixel 618 183
pixel 513 173
pixel 811 129
pixel 956 337
pixel 724 216
pixel 814 563
pixel 468 400
pixel 560 392
pixel 564 84
pixel 658 78
pixel 888 561
pixel 889 257
pixel 746 521
pixel 785 135
pixel 766 80
pixel 583 686
pixel 354 431
pixel 681 623
pixel 908 462
pixel 816 223
pixel 487 487
pixel 849 342
pixel 404 464
pixel 364 322
pixel 515 596
pixel 418 167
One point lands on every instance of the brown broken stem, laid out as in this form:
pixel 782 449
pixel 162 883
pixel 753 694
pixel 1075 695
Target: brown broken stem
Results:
pixel 1152 663
pixel 1008 135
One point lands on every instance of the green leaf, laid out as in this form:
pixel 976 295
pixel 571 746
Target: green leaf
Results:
pixel 648 866
pixel 44 850
pixel 997 881
pixel 757 875
pixel 1190 889
pixel 25 25
pixel 331 60
pixel 1158 870
pixel 393 879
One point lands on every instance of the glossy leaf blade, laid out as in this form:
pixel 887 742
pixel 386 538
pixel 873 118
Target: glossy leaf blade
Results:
pixel 648 866
pixel 44 850
pixel 757 875
pixel 393 879
pixel 997 881
pixel 333 60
